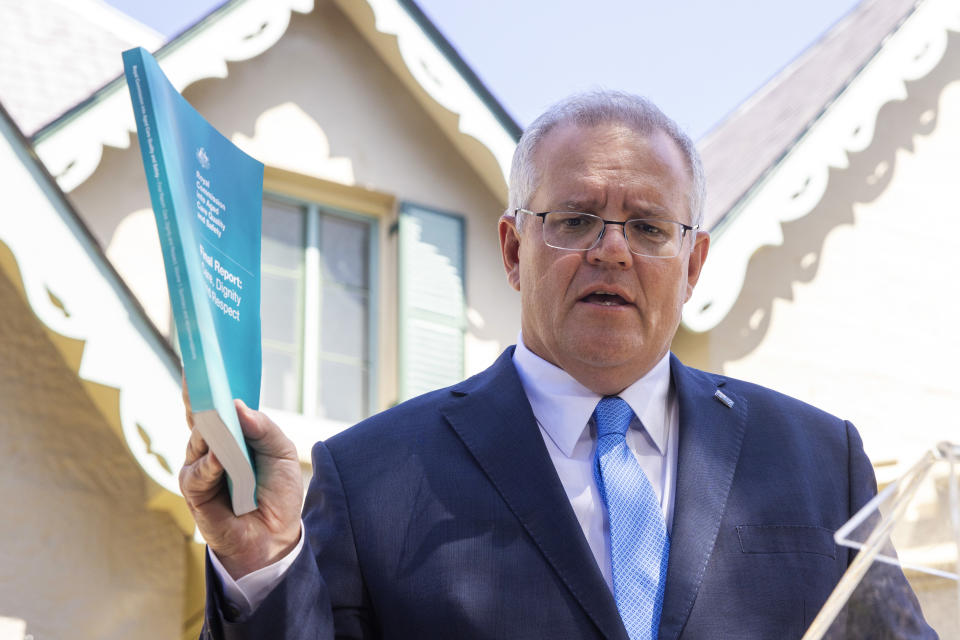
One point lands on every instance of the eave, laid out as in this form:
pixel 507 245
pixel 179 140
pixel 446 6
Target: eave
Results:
pixel 124 362
pixel 476 125
pixel 428 67
pixel 796 182
pixel 71 147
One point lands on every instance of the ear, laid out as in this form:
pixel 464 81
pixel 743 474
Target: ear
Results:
pixel 510 249
pixel 698 255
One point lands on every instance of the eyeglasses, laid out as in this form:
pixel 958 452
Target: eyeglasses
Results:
pixel 577 231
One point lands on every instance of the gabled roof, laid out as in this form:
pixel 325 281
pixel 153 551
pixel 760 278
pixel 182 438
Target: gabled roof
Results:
pixel 749 142
pixel 456 60
pixel 794 173
pixel 437 78
pixel 71 144
pixel 107 339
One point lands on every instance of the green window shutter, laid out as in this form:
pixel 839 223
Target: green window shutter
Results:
pixel 432 315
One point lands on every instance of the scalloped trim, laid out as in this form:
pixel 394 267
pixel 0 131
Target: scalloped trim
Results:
pixel 799 181
pixel 73 149
pixel 442 82
pixel 120 360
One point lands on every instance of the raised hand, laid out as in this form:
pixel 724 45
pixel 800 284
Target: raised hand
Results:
pixel 259 538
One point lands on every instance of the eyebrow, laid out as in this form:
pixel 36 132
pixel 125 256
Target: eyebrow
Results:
pixel 641 209
pixel 579 205
pixel 647 209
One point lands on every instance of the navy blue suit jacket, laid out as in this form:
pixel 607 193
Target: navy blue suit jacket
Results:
pixel 444 518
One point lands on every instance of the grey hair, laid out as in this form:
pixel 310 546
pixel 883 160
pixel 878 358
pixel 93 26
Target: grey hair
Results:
pixel 591 109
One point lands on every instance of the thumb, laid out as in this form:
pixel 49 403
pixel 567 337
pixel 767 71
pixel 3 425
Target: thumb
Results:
pixel 262 433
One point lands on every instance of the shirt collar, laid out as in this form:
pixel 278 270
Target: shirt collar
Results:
pixel 563 406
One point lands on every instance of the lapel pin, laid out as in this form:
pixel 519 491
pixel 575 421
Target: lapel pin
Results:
pixel 724 398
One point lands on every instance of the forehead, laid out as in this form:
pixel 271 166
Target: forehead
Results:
pixel 611 160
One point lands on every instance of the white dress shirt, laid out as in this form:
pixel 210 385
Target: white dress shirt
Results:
pixel 563 408
pixel 564 411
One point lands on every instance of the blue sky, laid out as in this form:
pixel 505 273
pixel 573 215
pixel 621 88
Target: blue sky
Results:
pixel 697 59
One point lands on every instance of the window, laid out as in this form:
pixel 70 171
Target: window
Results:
pixel 432 314
pixel 329 358
pixel 318 305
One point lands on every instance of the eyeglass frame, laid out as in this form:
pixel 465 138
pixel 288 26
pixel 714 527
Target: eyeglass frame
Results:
pixel 623 227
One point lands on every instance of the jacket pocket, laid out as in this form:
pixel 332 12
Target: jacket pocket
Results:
pixel 787 538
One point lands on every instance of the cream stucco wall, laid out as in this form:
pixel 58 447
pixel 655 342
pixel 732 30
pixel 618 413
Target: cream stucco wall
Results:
pixel 377 136
pixel 856 312
pixel 81 557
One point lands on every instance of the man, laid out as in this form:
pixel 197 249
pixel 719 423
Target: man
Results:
pixel 587 485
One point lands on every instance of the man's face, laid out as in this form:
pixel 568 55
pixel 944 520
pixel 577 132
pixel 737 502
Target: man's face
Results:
pixel 604 341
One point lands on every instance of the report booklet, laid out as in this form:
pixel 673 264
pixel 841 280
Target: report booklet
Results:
pixel 206 196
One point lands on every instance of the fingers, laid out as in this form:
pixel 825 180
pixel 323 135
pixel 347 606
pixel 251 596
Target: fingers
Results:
pixel 201 470
pixel 202 473
pixel 203 488
pixel 196 447
pixel 253 540
pixel 201 477
pixel 205 493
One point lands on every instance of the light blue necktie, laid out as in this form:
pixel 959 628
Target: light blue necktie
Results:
pixel 639 545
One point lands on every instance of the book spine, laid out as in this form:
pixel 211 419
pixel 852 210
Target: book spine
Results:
pixel 173 235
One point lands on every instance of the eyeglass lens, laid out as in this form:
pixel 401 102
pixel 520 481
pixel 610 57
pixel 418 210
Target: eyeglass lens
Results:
pixel 581 231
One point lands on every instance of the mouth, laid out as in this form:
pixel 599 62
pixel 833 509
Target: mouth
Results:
pixel 604 299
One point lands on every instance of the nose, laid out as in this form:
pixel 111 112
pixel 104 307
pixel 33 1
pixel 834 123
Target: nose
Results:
pixel 612 246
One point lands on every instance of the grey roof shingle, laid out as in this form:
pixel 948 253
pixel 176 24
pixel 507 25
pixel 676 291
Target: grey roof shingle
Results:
pixel 749 142
pixel 54 55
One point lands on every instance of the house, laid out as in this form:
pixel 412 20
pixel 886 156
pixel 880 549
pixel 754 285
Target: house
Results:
pixel 385 161
pixel 813 283
pixel 831 192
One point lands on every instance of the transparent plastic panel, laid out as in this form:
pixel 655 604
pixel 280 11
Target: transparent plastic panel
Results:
pixel 905 579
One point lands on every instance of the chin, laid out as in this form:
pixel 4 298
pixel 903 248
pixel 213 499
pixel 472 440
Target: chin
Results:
pixel 607 350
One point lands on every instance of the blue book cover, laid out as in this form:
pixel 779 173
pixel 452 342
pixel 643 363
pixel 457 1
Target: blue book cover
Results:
pixel 206 196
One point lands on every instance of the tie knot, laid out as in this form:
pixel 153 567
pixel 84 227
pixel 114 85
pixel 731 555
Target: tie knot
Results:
pixel 612 416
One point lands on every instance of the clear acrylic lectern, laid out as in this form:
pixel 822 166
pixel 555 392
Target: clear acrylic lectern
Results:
pixel 918 515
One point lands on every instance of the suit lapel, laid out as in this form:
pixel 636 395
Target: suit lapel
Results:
pixel 711 433
pixel 494 420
